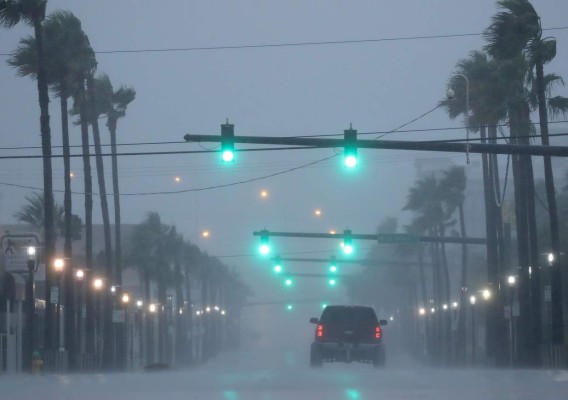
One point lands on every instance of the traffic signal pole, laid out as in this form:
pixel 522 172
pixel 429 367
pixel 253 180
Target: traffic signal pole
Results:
pixel 447 147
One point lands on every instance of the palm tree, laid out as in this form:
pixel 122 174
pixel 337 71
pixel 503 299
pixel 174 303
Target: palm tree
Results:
pixel 65 45
pixel 515 30
pixel 147 254
pixel 97 93
pixel 114 105
pixel 32 12
pixel 453 185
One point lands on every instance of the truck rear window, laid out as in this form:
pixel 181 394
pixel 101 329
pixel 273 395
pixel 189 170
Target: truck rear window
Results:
pixel 349 315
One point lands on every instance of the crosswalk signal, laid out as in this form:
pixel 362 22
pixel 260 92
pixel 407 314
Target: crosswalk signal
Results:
pixel 228 142
pixel 350 149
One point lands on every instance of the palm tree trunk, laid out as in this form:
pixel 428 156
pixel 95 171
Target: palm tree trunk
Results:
pixel 189 327
pixel 49 227
pixel 446 317
pixel 180 316
pixel 556 276
pixel 461 318
pixel 424 299
pixel 121 332
pixel 149 320
pixel 70 323
pixel 88 183
pixel 519 177
pixel 108 348
pixel 116 197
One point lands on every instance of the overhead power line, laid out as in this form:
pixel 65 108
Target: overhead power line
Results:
pixel 292 44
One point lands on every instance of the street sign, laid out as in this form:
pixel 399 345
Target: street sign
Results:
pixel 516 309
pixel 397 238
pixel 14 257
pixel 507 312
pixel 118 316
pixel 54 295
pixel 547 293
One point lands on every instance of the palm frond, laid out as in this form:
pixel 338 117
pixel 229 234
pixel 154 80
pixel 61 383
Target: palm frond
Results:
pixel 558 107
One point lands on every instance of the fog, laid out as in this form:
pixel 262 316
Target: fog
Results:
pixel 159 48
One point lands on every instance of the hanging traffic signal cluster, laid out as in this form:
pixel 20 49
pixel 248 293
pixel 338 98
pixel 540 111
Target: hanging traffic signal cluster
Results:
pixel 350 158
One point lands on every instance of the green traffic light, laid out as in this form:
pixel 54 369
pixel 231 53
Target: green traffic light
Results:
pixel 264 248
pixel 289 307
pixel 350 148
pixel 228 155
pixel 323 305
pixel 288 282
pixel 277 269
pixel 350 161
pixel 347 249
pixel 332 282
pixel 333 269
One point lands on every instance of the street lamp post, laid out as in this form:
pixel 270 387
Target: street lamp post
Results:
pixel 98 286
pixel 59 266
pixel 511 281
pixel 80 278
pixel 472 301
pixel 31 307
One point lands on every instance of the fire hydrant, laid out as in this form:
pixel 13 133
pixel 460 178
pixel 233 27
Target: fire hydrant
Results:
pixel 37 362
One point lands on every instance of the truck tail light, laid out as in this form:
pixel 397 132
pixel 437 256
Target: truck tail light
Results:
pixel 319 331
pixel 378 332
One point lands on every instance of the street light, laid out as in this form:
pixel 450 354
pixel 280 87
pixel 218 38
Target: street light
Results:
pixel 550 259
pixel 486 293
pixel 152 308
pixel 422 311
pixel 79 274
pixel 58 264
pixel 98 284
pixel 511 280
pixel 125 298
pixel 472 300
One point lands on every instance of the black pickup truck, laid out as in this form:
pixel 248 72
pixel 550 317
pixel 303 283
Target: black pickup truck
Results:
pixel 347 334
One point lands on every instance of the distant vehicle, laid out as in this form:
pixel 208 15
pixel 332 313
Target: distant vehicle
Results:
pixel 347 334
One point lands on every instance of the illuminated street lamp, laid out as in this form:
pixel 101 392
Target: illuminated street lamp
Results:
pixel 98 284
pixel 455 304
pixel 511 280
pixel 152 308
pixel 422 311
pixel 550 258
pixel 432 310
pixel 445 306
pixel 472 300
pixel 125 298
pixel 58 264
pixel 486 293
pixel 139 303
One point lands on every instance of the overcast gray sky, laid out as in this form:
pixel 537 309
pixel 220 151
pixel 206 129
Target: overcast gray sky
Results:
pixel 264 91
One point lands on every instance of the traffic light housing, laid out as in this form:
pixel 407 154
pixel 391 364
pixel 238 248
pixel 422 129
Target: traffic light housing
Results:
pixel 277 264
pixel 350 149
pixel 347 242
pixel 228 142
pixel 264 248
pixel 332 265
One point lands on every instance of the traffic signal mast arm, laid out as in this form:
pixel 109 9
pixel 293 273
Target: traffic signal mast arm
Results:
pixel 451 147
pixel 381 238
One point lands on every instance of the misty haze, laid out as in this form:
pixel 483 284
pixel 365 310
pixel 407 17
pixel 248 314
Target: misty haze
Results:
pixel 283 200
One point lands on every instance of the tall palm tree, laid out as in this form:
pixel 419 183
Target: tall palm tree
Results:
pixel 32 12
pixel 453 185
pixel 33 212
pixel 516 29
pixel 97 95
pixel 117 103
pixel 65 45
